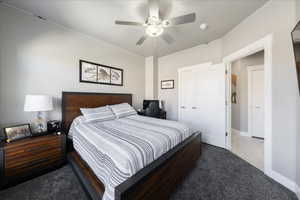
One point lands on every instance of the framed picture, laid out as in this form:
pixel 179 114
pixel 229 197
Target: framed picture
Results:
pixel 116 76
pixel 234 81
pixel 17 132
pixel 103 74
pixel 88 72
pixel 167 84
pixel 100 74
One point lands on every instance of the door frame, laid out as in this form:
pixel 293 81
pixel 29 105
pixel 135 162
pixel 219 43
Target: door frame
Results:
pixel 250 69
pixel 266 45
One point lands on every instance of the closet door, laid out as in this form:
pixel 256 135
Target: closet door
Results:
pixel 205 110
pixel 186 91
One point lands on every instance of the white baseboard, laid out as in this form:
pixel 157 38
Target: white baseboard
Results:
pixel 284 181
pixel 245 134
pixel 240 132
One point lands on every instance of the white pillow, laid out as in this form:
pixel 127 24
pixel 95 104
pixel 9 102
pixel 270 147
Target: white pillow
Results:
pixel 103 113
pixel 123 110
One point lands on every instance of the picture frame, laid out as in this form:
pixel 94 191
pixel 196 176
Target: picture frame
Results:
pixel 167 84
pixel 17 132
pixel 90 72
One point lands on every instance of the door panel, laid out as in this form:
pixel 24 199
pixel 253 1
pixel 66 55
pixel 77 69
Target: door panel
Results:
pixel 186 88
pixel 206 105
pixel 258 103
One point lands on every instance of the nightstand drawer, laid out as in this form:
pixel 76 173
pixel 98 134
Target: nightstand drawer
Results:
pixel 27 166
pixel 31 149
pixel 31 143
pixel 27 158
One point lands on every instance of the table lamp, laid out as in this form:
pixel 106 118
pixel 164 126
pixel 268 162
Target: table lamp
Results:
pixel 39 104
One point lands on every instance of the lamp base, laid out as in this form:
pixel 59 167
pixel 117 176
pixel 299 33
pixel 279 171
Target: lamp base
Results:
pixel 40 123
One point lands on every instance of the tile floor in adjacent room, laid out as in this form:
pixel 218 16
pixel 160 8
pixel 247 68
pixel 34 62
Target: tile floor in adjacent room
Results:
pixel 248 148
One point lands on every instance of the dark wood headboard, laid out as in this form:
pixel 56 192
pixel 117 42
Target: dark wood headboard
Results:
pixel 73 101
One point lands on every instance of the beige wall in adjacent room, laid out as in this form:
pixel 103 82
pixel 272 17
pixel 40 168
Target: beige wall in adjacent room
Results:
pixel 38 57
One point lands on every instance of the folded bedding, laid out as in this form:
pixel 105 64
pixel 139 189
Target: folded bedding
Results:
pixel 117 149
pixel 103 113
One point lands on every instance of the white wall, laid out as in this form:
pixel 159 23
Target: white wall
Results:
pixel 151 78
pixel 37 57
pixel 240 110
pixel 169 65
pixel 155 78
pixel 149 82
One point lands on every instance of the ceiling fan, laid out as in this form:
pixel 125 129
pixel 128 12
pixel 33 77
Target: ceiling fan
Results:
pixel 155 25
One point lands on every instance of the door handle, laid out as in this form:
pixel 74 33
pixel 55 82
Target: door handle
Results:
pixel 183 107
pixel 194 107
pixel 257 106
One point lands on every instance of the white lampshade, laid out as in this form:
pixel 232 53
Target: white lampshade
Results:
pixel 36 103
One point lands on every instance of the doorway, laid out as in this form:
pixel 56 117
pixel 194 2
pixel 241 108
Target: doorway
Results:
pixel 247 108
pixel 264 44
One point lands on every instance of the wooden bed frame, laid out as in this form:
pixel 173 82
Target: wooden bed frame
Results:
pixel 155 181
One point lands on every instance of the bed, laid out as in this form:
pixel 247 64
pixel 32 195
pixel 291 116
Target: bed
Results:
pixel 153 176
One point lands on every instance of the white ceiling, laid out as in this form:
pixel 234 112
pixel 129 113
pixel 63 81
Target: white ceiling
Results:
pixel 96 18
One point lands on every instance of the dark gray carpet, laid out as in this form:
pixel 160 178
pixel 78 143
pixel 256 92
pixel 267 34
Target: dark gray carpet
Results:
pixel 219 175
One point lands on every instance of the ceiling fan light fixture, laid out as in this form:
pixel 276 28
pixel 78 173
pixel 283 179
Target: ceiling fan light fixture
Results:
pixel 154 30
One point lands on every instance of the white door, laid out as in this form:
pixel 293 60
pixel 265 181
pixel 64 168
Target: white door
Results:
pixel 257 103
pixel 186 89
pixel 202 101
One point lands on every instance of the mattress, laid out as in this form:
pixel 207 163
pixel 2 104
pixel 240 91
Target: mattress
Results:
pixel 117 149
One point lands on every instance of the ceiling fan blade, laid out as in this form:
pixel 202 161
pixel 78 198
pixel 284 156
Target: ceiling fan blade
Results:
pixel 128 23
pixel 153 8
pixel 184 19
pixel 168 38
pixel 141 40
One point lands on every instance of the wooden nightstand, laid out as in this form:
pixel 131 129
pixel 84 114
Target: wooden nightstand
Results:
pixel 30 157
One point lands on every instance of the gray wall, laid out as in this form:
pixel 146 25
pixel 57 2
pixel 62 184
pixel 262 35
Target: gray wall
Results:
pixel 298 151
pixel 240 110
pixel 298 117
pixel 37 57
pixel 168 69
pixel 275 17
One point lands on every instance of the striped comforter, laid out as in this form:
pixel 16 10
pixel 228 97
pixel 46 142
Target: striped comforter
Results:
pixel 117 149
